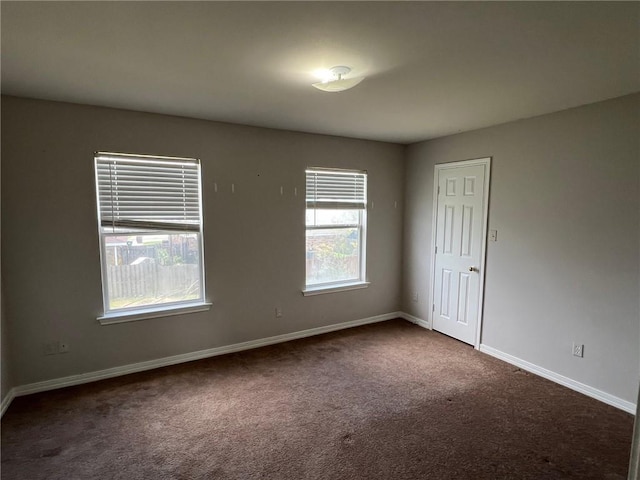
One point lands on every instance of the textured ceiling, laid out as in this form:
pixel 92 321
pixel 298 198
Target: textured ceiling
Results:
pixel 432 68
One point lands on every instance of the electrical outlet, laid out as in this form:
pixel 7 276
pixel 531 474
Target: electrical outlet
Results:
pixel 493 235
pixel 50 348
pixel 415 296
pixel 578 350
pixel 278 312
pixel 53 348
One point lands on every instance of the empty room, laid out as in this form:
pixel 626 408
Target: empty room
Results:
pixel 320 240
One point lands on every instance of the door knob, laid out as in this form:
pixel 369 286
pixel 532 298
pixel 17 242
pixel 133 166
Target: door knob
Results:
pixel 473 269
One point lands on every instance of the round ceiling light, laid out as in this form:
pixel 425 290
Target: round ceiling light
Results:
pixel 334 80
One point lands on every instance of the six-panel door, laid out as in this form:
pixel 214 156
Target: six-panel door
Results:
pixel 459 228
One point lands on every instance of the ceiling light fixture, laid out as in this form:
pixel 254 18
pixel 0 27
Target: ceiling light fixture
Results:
pixel 333 80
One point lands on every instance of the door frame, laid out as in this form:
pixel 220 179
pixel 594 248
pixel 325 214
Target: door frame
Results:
pixel 486 162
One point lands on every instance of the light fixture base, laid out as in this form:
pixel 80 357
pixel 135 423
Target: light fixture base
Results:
pixel 336 82
pixel 339 71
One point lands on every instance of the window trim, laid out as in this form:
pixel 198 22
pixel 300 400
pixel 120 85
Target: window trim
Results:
pixel 128 314
pixel 348 284
pixel 328 288
pixel 148 313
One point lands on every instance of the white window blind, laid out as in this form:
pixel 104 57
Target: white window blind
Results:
pixel 161 193
pixel 334 189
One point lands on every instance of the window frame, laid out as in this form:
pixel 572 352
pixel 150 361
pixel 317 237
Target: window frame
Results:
pixel 125 314
pixel 361 226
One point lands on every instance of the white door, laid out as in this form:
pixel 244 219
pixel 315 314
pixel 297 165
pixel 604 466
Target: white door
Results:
pixel 459 254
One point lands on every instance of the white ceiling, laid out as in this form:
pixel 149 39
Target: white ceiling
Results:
pixel 432 68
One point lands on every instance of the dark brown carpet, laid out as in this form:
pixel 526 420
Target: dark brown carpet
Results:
pixel 385 401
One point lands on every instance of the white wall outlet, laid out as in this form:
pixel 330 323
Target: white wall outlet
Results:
pixel 493 235
pixel 278 312
pixel 53 348
pixel 50 348
pixel 414 296
pixel 578 350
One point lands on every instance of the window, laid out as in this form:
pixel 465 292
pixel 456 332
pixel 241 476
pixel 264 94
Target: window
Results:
pixel 336 229
pixel 150 225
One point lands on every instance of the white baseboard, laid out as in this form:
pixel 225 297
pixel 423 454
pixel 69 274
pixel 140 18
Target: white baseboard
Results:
pixel 562 380
pixel 6 401
pixel 237 347
pixel 186 357
pixel 416 320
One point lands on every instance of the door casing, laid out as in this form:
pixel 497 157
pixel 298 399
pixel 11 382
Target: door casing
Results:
pixel 486 162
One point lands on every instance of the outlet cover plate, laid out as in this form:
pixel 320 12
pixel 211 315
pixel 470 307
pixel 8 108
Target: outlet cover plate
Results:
pixel 578 350
pixel 50 348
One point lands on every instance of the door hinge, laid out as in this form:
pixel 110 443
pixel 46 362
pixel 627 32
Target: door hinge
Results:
pixel 433 309
pixel 436 249
pixel 438 189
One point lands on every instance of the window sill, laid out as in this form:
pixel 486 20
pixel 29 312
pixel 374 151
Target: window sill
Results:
pixel 147 313
pixel 334 288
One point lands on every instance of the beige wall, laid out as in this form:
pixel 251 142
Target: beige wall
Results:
pixel 254 239
pixel 564 199
pixel 5 370
pixel 6 382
